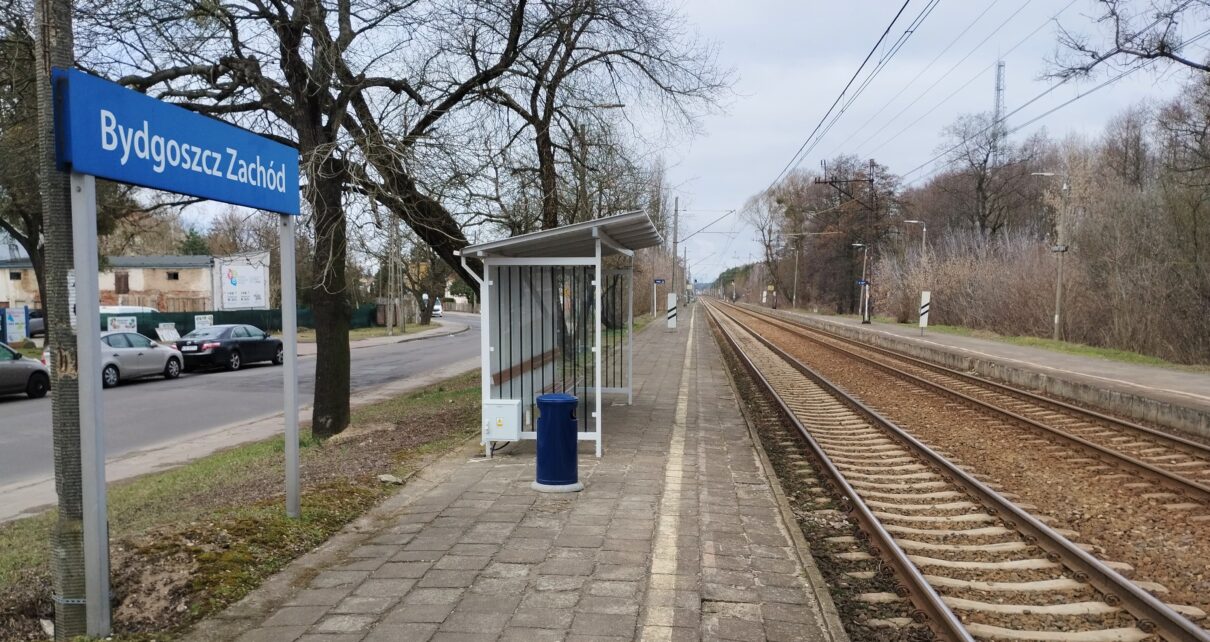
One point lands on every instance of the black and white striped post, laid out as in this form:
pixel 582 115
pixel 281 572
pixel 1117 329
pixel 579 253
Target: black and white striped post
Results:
pixel 925 298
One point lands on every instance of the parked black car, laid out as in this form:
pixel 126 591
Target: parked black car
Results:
pixel 228 346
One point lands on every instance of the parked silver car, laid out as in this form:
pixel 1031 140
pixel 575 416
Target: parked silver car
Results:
pixel 20 374
pixel 130 355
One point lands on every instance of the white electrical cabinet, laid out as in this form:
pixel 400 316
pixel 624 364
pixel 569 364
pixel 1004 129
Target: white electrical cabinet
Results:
pixel 502 420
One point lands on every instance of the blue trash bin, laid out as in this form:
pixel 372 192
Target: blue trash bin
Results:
pixel 558 470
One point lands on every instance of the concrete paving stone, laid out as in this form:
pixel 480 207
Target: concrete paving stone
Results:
pixel 742 579
pixel 604 604
pixel 411 632
pixel 725 562
pixel 780 631
pixel 473 622
pixel 489 603
pixel 458 636
pixel 542 618
pixel 447 579
pixel 536 543
pixel 691 600
pixel 619 572
pixel 454 562
pixel 771 565
pixel 500 585
pixel 613 588
pixel 320 597
pixel 571 553
pixel 434 596
pixel 404 528
pixel 425 543
pixel 368 564
pixel 418 613
pixel 781 594
pixel 295 616
pixel 559 566
pixel 559 582
pixel 273 634
pixel 550 599
pixel 625 558
pixel 626 545
pixel 534 532
pixel 405 570
pixel 364 604
pixel 490 533
pixel 385 587
pixel 581 520
pixel 534 520
pixel 671 617
pixel 739 610
pixel 416 518
pixel 521 634
pixel 344 623
pixel 503 516
pixel 333 579
pixel 580 541
pixel 474 550
pixel 778 579
pixel 576 637
pixel 461 512
pixel 332 637
pixel 604 624
pixel 729 628
pixel 448 532
pixel 669 634
pixel 392 539
pixel 521 555
pixel 417 556
pixel 725 593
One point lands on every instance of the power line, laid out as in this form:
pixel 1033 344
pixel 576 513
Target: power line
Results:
pixel 839 97
pixel 964 85
pixel 1050 111
pixel 911 82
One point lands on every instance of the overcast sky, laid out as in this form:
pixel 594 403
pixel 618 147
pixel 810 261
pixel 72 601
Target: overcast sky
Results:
pixel 792 58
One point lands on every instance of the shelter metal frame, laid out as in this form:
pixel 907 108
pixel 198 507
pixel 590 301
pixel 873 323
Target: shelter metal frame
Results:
pixel 547 334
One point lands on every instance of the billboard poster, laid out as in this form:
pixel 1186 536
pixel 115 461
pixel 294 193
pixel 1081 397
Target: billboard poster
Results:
pixel 243 282
pixel 203 321
pixel 14 325
pixel 130 324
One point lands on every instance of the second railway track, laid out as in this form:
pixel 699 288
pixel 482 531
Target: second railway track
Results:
pixel 974 564
pixel 1178 464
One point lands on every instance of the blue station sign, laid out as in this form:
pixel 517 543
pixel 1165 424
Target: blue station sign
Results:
pixel 113 132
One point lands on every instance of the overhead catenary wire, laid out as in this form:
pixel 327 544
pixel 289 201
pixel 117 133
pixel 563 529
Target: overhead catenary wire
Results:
pixel 795 158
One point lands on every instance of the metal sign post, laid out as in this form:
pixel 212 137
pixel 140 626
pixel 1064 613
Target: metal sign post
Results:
pixel 103 129
pixel 925 297
pixel 654 284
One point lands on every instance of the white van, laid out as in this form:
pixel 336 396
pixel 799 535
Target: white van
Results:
pixel 126 309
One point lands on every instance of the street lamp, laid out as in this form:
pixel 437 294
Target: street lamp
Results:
pixel 865 285
pixel 924 233
pixel 1059 248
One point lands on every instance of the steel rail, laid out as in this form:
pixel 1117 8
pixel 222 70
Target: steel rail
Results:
pixel 1187 446
pixel 1154 616
pixel 935 612
pixel 1172 481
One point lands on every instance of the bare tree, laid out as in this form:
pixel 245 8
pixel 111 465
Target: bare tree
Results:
pixel 1133 31
pixel 596 55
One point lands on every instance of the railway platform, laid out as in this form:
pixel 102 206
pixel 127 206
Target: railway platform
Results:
pixel 1168 396
pixel 678 535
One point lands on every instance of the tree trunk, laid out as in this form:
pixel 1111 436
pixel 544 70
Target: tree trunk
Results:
pixel 548 177
pixel 54 49
pixel 330 302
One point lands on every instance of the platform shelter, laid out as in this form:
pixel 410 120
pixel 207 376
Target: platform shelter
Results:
pixel 556 319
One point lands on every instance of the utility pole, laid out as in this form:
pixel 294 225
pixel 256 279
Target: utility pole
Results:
pixel 999 132
pixel 794 295
pixel 73 617
pixel 391 245
pixel 673 284
pixel 1060 248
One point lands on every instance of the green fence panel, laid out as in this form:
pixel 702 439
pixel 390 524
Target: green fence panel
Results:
pixel 363 316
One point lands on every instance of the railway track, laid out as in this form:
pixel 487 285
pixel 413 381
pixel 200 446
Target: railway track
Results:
pixel 973 564
pixel 1179 465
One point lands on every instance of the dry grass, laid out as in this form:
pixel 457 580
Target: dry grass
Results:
pixel 307 335
pixel 189 541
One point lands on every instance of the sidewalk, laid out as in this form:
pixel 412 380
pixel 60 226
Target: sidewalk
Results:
pixel 677 535
pixel 444 327
pixel 1172 397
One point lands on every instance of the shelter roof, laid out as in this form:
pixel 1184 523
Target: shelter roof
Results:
pixel 629 231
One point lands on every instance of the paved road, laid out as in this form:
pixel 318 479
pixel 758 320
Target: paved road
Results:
pixel 153 411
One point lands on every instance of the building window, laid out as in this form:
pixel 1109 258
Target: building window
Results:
pixel 174 276
pixel 121 283
pixel 14 276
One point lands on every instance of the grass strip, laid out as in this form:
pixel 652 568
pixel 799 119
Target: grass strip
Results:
pixel 187 542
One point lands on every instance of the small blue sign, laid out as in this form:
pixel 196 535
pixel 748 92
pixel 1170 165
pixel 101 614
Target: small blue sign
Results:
pixel 659 281
pixel 113 132
pixel 862 282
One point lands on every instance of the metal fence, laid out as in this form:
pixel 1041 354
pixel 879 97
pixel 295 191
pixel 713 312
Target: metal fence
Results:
pixel 542 321
pixel 268 320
